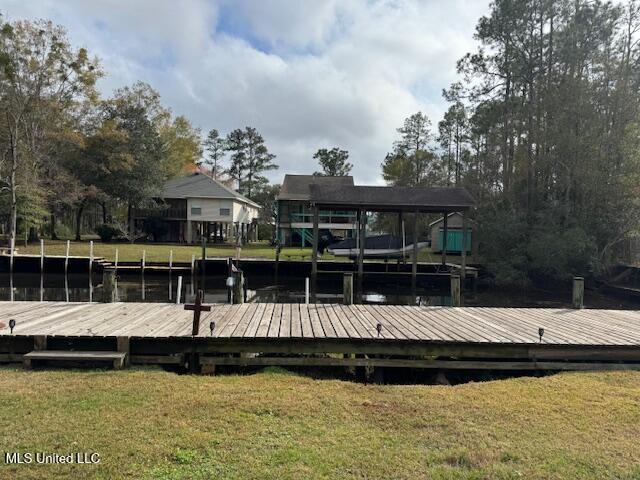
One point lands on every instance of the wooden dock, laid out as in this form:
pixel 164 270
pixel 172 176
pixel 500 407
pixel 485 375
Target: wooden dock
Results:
pixel 383 336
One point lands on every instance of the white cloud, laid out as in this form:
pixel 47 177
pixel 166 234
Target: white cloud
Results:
pixel 308 74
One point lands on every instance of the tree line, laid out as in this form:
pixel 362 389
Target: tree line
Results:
pixel 543 130
pixel 63 147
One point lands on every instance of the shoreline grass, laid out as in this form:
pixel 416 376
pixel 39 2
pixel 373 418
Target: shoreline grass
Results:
pixel 132 252
pixel 152 424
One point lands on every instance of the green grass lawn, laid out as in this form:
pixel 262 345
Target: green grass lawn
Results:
pixel 128 252
pixel 155 425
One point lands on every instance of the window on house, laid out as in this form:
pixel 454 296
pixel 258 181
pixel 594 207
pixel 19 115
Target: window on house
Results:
pixel 196 211
pixel 225 212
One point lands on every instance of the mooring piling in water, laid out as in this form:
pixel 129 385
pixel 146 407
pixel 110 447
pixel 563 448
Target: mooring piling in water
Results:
pixel 347 288
pixel 306 291
pixel 116 261
pixel 13 252
pixel 66 259
pixel 179 290
pixel 455 290
pixel 578 292
pixel 230 279
pixel 238 287
pixel 108 285
pixel 41 255
pixel 90 256
pixel 144 260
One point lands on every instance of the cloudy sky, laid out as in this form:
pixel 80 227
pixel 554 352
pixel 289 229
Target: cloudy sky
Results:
pixel 306 73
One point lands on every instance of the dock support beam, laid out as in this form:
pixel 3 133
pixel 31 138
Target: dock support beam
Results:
pixel 578 292
pixel 123 345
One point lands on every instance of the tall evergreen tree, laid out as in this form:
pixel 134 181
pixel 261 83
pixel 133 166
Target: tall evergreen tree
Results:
pixel 216 147
pixel 412 161
pixel 258 160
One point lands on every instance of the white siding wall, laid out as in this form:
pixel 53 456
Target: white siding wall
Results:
pixel 210 210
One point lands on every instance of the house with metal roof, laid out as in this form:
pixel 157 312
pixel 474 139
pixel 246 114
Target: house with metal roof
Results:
pixel 295 222
pixel 197 205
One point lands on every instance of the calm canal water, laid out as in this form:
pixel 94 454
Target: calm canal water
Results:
pixel 163 288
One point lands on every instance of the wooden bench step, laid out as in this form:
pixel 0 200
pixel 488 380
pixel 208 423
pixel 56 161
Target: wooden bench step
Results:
pixel 118 358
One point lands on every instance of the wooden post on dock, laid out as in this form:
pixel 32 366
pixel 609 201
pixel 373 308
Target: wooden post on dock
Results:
pixel 66 258
pixel 108 285
pixel 143 262
pixel 116 261
pixel 170 261
pixel 306 291
pixel 578 292
pixel 238 287
pixel 42 255
pixel 193 264
pixel 347 288
pixel 455 290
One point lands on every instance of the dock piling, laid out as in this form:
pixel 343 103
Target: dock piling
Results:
pixel 203 267
pixel 90 256
pixel 179 290
pixel 66 258
pixel 578 292
pixel 455 290
pixel 238 287
pixel 41 255
pixel 108 285
pixel 13 252
pixel 230 280
pixel 306 291
pixel 144 260
pixel 116 261
pixel 347 288
pixel 170 261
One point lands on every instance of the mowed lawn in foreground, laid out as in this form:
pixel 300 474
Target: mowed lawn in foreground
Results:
pixel 274 425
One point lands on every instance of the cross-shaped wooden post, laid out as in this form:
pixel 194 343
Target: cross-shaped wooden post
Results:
pixel 197 307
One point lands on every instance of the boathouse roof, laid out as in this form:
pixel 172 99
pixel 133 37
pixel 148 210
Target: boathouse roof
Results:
pixel 381 198
pixel 298 187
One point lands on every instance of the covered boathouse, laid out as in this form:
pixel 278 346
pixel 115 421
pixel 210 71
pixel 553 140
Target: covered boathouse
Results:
pixel 407 202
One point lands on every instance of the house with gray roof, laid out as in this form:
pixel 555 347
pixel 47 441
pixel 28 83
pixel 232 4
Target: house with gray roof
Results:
pixel 196 206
